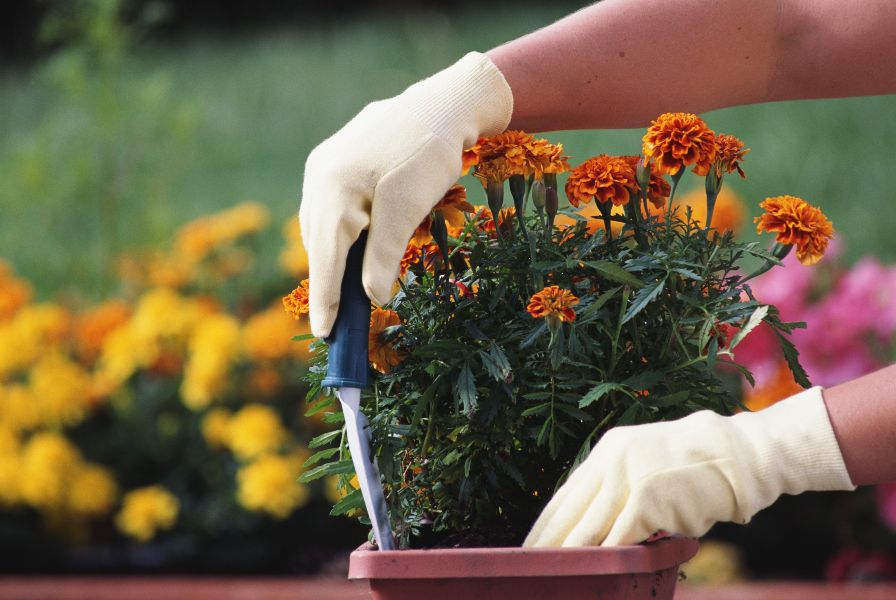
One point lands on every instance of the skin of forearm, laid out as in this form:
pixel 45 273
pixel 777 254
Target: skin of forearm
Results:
pixel 619 63
pixel 863 415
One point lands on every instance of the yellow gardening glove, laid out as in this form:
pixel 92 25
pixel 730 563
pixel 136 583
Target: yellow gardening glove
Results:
pixel 386 169
pixel 683 476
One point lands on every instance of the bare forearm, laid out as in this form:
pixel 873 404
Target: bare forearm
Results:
pixel 863 414
pixel 619 63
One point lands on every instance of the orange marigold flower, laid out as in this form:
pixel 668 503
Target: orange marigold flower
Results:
pixel 545 157
pixel 296 302
pixel 798 223
pixel 658 188
pixel 453 206
pixel 513 153
pixel 606 178
pixel 487 224
pixel 677 140
pixel 382 354
pixel 553 302
pixel 730 153
pixel 781 385
pixel 411 255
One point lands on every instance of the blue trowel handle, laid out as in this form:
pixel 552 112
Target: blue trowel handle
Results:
pixel 347 364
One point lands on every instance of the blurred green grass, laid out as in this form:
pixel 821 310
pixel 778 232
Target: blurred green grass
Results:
pixel 92 164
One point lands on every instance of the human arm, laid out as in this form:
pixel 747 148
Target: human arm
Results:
pixel 619 63
pixel 863 415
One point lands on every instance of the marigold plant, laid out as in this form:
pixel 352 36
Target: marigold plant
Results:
pixel 500 363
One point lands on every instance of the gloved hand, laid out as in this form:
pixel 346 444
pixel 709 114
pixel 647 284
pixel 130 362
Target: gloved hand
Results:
pixel 386 169
pixel 683 476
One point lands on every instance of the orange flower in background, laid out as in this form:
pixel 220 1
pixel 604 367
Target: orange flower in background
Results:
pixel 796 222
pixel 453 206
pixel 382 354
pixel 93 326
pixel 605 178
pixel 779 387
pixel 730 153
pixel 553 302
pixel 296 302
pixel 677 140
pixel 14 292
pixel 728 215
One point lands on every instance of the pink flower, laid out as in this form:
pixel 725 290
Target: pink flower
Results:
pixel 885 495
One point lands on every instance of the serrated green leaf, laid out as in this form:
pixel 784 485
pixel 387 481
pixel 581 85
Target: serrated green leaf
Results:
pixel 353 500
pixel 465 389
pixel 598 392
pixel 791 355
pixel 536 333
pixel 333 468
pixel 319 456
pixel 324 438
pixel 643 297
pixel 614 272
pixel 755 319
pixel 495 362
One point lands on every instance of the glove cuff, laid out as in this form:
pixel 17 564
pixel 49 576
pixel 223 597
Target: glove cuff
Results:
pixel 469 99
pixel 796 449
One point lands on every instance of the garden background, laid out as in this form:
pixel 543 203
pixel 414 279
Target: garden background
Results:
pixel 151 157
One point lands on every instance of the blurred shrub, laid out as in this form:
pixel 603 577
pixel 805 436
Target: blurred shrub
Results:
pixel 167 415
pixel 102 153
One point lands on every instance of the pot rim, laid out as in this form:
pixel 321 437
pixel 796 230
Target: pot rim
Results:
pixel 454 563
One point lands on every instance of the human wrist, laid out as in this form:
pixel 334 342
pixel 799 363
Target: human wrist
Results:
pixel 793 447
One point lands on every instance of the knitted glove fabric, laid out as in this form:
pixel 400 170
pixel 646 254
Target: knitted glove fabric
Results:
pixel 386 169
pixel 683 476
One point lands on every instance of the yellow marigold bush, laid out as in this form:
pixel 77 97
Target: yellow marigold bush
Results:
pixel 168 408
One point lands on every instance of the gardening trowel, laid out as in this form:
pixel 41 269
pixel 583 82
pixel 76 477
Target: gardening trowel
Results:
pixel 347 371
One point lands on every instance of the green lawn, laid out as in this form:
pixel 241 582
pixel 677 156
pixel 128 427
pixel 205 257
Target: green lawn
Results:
pixel 95 161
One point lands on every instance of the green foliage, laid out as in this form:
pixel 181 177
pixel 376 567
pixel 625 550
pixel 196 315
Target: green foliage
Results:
pixel 491 408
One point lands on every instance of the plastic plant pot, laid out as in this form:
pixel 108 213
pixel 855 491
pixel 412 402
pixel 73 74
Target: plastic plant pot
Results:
pixel 646 571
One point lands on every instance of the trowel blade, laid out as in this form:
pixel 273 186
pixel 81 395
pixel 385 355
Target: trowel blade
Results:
pixel 357 432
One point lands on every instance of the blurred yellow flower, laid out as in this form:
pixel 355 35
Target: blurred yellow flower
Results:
pixel 10 441
pixel 18 409
pixel 199 238
pixel 269 484
pixel 10 478
pixel 293 258
pixel 14 292
pixel 215 425
pixel 33 331
pixel 267 336
pixel 49 460
pixel 213 349
pixel 255 429
pixel 93 491
pixel 716 563
pixel 61 390
pixel 147 510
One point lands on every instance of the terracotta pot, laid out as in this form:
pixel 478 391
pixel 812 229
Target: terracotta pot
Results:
pixel 648 571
